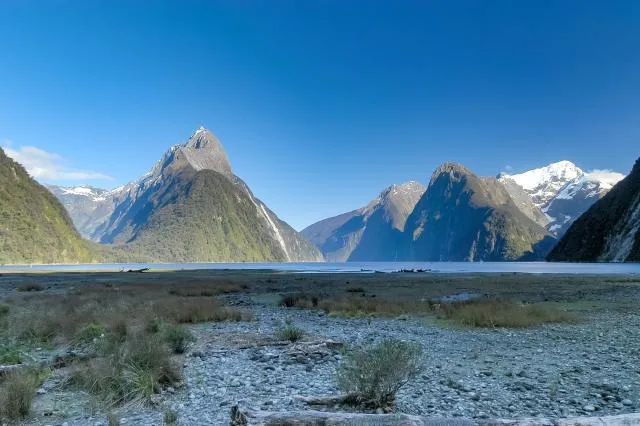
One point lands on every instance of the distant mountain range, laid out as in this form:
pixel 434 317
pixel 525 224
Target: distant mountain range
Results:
pixel 461 216
pixel 609 230
pixel 189 207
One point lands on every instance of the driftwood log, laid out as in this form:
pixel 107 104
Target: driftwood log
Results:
pixel 138 270
pixel 321 418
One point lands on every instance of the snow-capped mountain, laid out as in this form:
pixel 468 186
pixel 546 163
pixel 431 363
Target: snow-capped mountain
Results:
pixel 563 191
pixel 610 230
pixel 88 206
pixel 188 207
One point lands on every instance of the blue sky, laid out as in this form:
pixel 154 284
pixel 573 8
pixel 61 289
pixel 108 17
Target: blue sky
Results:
pixel 321 104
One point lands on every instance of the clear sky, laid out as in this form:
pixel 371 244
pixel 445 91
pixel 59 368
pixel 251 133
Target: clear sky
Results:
pixel 320 104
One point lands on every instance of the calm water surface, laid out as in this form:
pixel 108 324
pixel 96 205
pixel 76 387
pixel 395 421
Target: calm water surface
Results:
pixel 442 267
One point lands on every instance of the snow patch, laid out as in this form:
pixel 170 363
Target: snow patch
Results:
pixel 562 171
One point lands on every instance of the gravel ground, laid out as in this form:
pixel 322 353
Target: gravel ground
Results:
pixel 590 368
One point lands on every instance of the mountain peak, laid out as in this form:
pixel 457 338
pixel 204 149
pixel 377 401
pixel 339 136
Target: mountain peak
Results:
pixel 558 173
pixel 202 138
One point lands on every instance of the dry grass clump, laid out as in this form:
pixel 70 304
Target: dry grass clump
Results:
pixel 290 332
pixel 473 313
pixel 203 289
pixel 127 333
pixel 359 307
pixel 27 287
pixel 133 370
pixel 17 390
pixel 88 312
pixel 300 300
pixel 192 311
pixel 501 313
pixel 354 307
pixel 178 338
pixel 373 375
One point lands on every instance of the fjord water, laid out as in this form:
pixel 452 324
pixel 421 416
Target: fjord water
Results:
pixel 370 267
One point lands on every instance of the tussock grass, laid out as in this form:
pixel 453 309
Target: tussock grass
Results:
pixel 178 338
pixel 300 300
pixel 87 312
pixel 127 333
pixel 501 313
pixel 203 289
pixel 17 391
pixel 133 370
pixel 474 313
pixel 376 373
pixel 170 417
pixel 290 332
pixel 27 287
pixel 192 311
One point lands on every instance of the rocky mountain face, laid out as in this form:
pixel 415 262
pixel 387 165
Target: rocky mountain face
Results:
pixel 462 217
pixel 371 233
pixel 609 230
pixel 88 206
pixel 562 191
pixel 34 226
pixel 191 207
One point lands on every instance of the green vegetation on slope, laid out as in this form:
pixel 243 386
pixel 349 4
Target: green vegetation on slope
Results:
pixel 202 217
pixel 34 226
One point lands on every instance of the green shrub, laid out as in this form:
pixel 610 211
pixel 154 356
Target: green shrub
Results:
pixel 9 355
pixel 376 373
pixel 170 417
pixel 16 394
pixel 4 310
pixel 178 338
pixel 90 332
pixel 290 332
pixel 113 419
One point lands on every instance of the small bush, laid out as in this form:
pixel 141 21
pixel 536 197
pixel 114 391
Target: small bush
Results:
pixel 355 290
pixel 90 332
pixel 290 332
pixel 178 338
pixel 303 301
pixel 16 394
pixel 4 310
pixel 501 313
pixel 170 417
pixel 9 355
pixel 113 419
pixel 30 287
pixel 375 374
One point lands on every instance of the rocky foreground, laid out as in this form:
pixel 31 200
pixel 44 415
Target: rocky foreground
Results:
pixel 469 376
